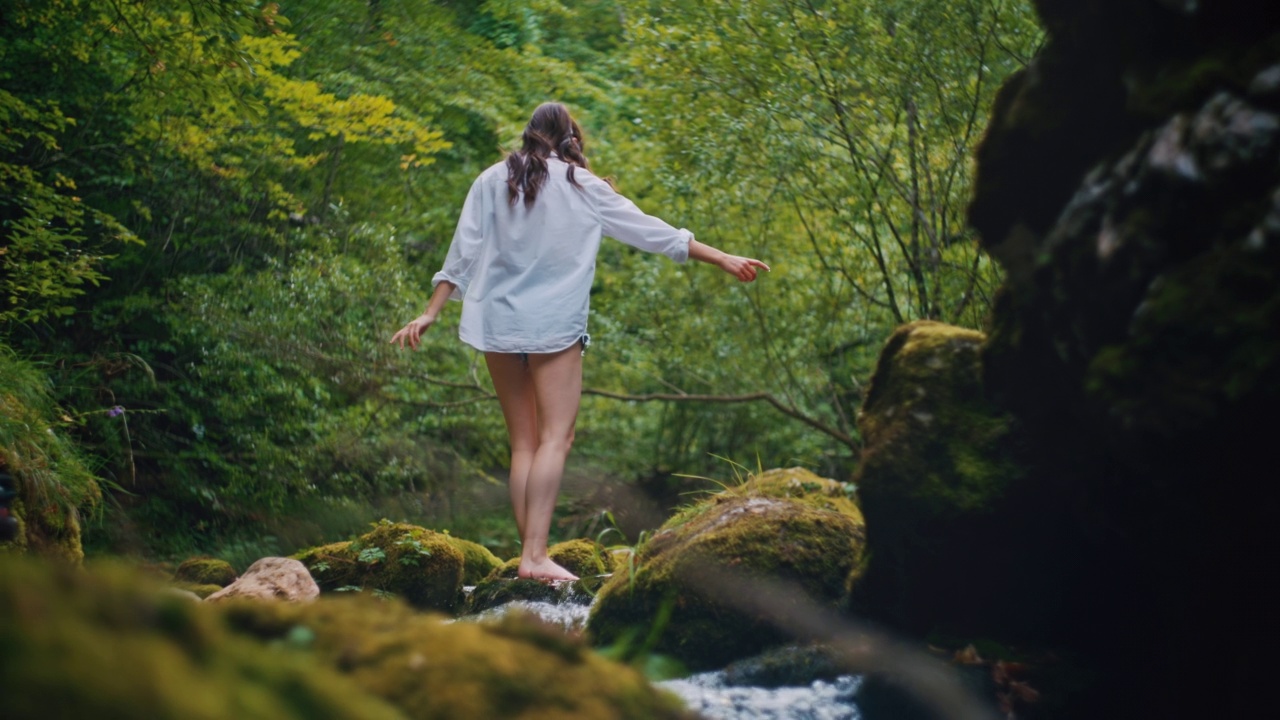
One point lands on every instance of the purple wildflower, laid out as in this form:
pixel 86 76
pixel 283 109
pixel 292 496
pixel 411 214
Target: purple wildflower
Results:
pixel 115 411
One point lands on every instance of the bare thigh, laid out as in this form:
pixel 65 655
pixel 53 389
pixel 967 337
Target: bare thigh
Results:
pixel 514 385
pixel 557 389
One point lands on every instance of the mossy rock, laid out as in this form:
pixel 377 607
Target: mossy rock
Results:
pixel 422 566
pixel 491 593
pixel 930 437
pixel 201 590
pixel 477 560
pixel 110 643
pixel 205 571
pixel 787 524
pixel 517 668
pixel 934 478
pixel 582 557
pixel 52 531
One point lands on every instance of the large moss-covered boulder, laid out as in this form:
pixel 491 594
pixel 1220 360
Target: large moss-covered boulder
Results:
pixel 205 571
pixel 785 524
pixel 422 566
pixel 936 478
pixel 1129 184
pixel 517 668
pixel 113 644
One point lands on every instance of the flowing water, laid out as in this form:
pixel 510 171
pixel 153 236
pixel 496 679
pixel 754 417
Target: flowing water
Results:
pixel 707 693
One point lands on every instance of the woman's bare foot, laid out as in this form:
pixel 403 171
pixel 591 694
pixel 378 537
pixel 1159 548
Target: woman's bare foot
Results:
pixel 545 570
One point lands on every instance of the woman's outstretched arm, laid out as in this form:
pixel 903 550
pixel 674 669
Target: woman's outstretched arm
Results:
pixel 412 333
pixel 743 268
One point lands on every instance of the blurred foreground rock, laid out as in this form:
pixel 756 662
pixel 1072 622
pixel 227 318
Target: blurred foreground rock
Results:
pixel 112 643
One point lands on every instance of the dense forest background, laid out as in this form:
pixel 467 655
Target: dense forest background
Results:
pixel 216 212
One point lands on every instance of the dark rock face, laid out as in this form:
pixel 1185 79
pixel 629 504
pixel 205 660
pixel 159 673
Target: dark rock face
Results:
pixel 1130 185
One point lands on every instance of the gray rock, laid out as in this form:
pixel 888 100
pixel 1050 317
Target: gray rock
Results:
pixel 272 578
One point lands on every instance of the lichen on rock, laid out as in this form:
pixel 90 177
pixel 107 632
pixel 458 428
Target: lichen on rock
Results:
pixel 785 524
pixel 421 566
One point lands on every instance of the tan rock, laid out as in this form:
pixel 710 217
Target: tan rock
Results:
pixel 272 578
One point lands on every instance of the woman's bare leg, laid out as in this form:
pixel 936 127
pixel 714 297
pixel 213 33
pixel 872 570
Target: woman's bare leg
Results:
pixel 514 384
pixel 557 388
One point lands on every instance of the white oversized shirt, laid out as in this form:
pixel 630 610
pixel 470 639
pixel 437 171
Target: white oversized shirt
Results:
pixel 524 274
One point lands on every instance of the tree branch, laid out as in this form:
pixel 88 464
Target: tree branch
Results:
pixel 778 405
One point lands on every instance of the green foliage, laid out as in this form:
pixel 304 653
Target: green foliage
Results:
pixel 54 482
pixel 213 214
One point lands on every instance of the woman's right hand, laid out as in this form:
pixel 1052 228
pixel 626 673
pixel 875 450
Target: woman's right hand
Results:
pixel 411 334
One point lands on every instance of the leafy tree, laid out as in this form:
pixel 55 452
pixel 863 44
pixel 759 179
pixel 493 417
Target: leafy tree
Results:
pixel 833 140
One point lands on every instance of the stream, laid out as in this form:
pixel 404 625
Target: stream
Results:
pixel 707 693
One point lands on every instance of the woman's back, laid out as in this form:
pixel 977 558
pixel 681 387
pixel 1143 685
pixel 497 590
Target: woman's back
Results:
pixel 525 270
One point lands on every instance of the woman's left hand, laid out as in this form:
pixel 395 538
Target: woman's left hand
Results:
pixel 743 268
pixel 412 333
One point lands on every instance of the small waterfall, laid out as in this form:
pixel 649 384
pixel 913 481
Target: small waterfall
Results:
pixel 570 616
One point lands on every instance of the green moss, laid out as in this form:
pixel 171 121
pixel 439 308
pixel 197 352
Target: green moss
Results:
pixel 477 560
pixel 205 571
pixel 786 524
pixel 934 446
pixel 419 565
pixel 111 644
pixel 201 590
pixel 518 668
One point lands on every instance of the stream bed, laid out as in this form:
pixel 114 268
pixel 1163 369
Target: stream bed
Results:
pixel 708 694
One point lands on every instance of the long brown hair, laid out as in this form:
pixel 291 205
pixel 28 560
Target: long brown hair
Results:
pixel 551 129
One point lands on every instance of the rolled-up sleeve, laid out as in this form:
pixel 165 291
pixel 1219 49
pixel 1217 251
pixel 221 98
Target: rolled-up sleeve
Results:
pixel 623 221
pixel 468 241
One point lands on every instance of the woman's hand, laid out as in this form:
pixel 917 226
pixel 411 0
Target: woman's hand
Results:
pixel 743 268
pixel 412 333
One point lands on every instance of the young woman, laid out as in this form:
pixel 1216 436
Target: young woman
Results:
pixel 522 260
